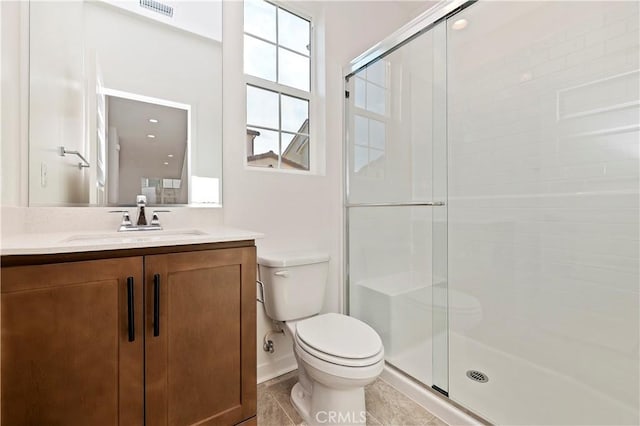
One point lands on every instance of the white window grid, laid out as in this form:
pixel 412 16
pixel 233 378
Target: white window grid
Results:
pixel 282 89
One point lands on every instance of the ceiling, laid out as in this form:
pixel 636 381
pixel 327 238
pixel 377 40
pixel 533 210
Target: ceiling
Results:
pixel 413 8
pixel 131 119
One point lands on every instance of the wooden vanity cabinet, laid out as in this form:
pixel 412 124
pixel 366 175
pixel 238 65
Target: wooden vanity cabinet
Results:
pixel 66 354
pixel 200 359
pixel 144 336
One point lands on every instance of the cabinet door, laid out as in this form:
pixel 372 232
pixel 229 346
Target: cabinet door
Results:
pixel 201 354
pixel 67 358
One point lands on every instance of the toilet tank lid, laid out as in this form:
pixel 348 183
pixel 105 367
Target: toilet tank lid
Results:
pixel 291 258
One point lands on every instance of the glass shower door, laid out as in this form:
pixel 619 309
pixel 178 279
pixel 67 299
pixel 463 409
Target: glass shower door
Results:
pixel 544 172
pixel 396 204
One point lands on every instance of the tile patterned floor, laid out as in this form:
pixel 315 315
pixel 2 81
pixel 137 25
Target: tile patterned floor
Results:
pixel 385 405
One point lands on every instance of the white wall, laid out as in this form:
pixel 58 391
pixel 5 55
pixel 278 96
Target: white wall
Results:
pixel 56 106
pixel 13 152
pixel 298 212
pixel 192 16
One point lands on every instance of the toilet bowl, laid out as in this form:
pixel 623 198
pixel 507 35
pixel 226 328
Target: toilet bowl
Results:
pixel 337 355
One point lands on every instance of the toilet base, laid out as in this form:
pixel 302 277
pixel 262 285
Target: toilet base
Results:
pixel 329 406
pixel 301 401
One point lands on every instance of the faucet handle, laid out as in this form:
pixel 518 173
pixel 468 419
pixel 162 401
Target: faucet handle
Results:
pixel 126 219
pixel 155 220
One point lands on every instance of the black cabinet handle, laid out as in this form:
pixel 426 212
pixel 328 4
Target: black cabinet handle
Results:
pixel 130 312
pixel 156 305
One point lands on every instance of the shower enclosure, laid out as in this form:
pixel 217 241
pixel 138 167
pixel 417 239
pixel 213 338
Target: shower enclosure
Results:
pixel 492 168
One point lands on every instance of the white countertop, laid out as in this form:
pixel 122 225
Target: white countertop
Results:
pixel 72 242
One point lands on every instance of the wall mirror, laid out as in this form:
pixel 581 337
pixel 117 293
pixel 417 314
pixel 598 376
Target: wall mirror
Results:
pixel 125 98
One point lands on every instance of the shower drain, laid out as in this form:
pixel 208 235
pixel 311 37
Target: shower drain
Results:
pixel 477 376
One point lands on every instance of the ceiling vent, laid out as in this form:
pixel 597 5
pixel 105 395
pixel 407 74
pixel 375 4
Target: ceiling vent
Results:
pixel 158 7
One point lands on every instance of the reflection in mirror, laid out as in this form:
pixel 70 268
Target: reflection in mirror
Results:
pixel 370 119
pixel 147 146
pixel 98 72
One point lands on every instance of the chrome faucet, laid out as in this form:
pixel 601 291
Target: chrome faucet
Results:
pixel 141 201
pixel 141 222
pixel 125 224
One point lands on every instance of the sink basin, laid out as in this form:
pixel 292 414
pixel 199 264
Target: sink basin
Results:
pixel 134 236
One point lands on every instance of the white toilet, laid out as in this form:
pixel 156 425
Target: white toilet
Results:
pixel 337 355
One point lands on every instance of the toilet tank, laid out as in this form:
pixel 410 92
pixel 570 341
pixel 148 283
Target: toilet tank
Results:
pixel 294 283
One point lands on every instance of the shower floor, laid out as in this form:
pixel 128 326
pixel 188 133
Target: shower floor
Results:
pixel 527 387
pixel 411 360
pixel 399 307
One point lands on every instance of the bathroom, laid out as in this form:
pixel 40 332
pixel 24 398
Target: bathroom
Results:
pixel 465 181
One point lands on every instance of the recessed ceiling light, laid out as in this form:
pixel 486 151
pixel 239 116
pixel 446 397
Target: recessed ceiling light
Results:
pixel 153 120
pixel 460 24
pixel 170 155
pixel 166 163
pixel 526 76
pixel 151 136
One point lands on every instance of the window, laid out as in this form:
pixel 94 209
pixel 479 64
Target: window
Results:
pixel 370 120
pixel 277 66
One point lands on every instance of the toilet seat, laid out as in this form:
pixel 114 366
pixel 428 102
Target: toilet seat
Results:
pixel 340 340
pixel 345 362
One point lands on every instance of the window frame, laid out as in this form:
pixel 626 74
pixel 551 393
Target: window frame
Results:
pixel 282 89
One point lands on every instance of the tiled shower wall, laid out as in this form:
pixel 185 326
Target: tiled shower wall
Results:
pixel 544 151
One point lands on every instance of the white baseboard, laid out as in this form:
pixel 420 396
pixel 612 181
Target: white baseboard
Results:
pixel 435 404
pixel 276 368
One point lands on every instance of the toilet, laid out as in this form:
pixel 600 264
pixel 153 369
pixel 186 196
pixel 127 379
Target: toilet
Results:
pixel 337 355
